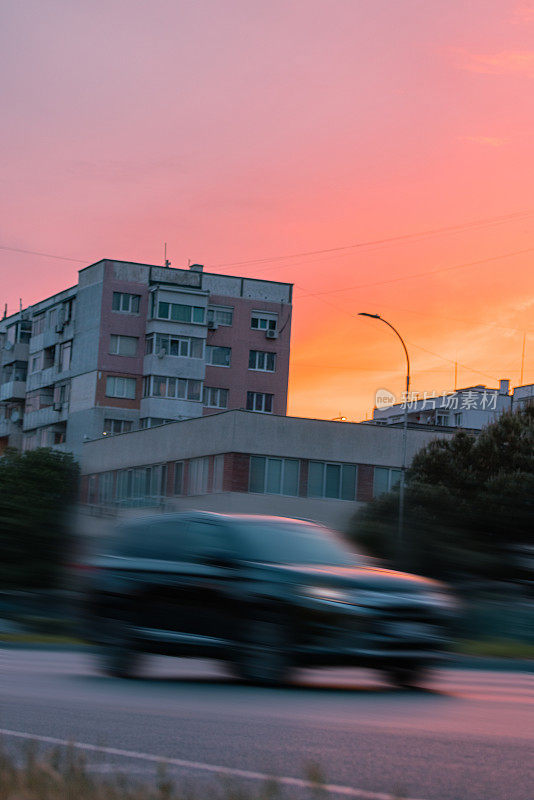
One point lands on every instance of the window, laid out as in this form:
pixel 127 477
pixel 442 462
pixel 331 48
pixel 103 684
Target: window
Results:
pixel 36 363
pixel 179 477
pixel 123 345
pixel 61 394
pixel 163 386
pixel 65 351
pixel 113 426
pixel 141 486
pixel 221 315
pixel 184 346
pixel 198 475
pixel 105 488
pixel 215 398
pixel 442 419
pixel 218 356
pixel 38 325
pixel 153 422
pixel 263 321
pixel 260 360
pixel 384 480
pixel 179 312
pixel 259 401
pixel 120 387
pixel 337 481
pixel 274 475
pixel 127 303
pixel 458 419
pixel 49 357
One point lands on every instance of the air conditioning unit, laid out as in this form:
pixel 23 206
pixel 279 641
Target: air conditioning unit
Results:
pixel 271 334
pixel 59 327
pixel 58 406
pixel 8 346
pixel 15 416
pixel 212 325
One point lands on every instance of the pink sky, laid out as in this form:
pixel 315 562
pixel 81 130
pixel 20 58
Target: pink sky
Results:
pixel 238 130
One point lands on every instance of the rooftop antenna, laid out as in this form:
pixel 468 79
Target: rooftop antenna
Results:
pixel 523 359
pixel 167 262
pixel 5 311
pixel 20 304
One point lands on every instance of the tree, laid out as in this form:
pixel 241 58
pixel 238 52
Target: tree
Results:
pixel 469 501
pixel 37 490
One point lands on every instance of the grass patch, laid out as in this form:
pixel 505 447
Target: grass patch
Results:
pixel 64 774
pixel 495 648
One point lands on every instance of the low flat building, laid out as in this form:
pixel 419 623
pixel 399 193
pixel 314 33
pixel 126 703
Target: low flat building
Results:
pixel 243 462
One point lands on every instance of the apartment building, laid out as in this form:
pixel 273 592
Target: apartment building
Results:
pixel 471 408
pixel 241 462
pixel 134 346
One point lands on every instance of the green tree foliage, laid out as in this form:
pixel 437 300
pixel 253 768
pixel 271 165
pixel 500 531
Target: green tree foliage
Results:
pixel 37 489
pixel 469 502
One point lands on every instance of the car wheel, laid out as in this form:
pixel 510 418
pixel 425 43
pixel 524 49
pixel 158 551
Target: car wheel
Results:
pixel 407 677
pixel 264 655
pixel 116 655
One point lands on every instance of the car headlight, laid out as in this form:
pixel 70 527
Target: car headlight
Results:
pixel 328 594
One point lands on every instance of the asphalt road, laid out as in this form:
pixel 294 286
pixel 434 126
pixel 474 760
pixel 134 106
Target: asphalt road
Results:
pixel 469 737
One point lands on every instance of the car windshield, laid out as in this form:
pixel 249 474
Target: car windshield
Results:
pixel 293 543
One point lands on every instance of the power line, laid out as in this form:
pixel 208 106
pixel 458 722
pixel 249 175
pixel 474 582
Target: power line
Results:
pixel 420 234
pixel 419 274
pixel 417 346
pixel 45 255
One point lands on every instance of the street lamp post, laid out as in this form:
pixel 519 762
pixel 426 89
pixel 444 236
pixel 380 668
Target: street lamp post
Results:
pixel 400 529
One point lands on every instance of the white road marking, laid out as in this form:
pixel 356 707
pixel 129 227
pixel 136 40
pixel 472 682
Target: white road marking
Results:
pixel 344 791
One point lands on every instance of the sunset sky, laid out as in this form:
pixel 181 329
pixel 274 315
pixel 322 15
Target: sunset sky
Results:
pixel 393 135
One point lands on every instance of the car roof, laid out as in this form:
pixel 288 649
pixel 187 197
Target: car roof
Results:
pixel 148 519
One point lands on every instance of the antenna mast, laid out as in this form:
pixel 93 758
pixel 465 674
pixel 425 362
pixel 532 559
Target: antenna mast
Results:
pixel 167 262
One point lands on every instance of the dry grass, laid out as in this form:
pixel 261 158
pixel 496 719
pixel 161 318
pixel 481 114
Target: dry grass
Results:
pixel 64 774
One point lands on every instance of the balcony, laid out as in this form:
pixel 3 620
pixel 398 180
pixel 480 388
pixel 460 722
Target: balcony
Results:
pixel 16 352
pixel 45 416
pixel 13 390
pixel 45 377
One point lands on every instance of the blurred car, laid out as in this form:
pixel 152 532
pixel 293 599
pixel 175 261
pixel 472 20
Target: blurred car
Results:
pixel 265 594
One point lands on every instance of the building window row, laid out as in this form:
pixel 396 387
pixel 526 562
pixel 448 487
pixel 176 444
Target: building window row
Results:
pixel 114 426
pixel 164 386
pixel 161 344
pixel 125 302
pixel 179 312
pixel 141 486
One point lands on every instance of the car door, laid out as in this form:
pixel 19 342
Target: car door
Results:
pixel 213 565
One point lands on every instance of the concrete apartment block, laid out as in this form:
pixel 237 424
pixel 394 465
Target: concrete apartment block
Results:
pixel 135 345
